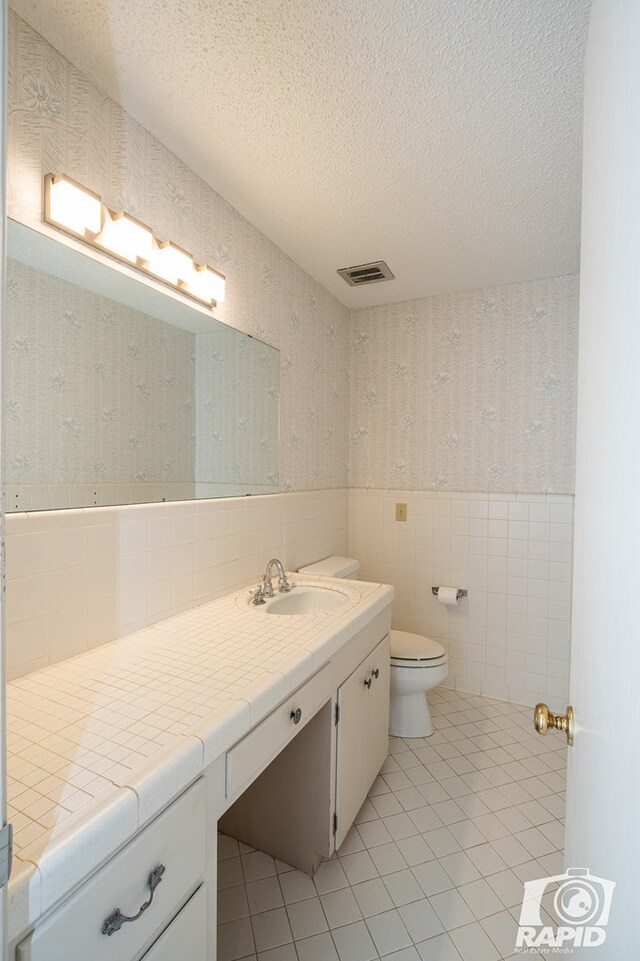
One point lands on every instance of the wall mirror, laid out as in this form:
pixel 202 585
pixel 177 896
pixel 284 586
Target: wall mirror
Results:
pixel 118 393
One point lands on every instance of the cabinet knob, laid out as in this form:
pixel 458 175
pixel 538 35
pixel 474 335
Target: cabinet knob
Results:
pixel 376 673
pixel 296 715
pixel 368 682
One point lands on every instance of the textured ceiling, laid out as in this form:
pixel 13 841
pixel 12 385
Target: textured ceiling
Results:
pixel 443 136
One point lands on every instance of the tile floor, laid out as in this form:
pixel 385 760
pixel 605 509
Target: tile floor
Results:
pixel 433 868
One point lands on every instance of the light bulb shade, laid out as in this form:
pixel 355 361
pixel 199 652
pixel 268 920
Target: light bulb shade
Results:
pixel 125 237
pixel 169 262
pixel 71 206
pixel 206 284
pixel 80 212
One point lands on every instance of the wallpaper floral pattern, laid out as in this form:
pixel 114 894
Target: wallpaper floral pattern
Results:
pixel 237 381
pixel 59 121
pixel 467 392
pixel 102 394
pixel 96 392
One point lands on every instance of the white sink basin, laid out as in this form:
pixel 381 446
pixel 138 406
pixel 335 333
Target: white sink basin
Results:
pixel 305 600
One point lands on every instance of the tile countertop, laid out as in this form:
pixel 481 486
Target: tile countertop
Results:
pixel 99 744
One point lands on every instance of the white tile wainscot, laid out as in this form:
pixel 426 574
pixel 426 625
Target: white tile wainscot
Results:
pixel 509 639
pixel 100 744
pixel 80 578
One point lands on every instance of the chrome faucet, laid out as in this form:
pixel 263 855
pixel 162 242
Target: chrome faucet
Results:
pixel 283 584
pixel 265 589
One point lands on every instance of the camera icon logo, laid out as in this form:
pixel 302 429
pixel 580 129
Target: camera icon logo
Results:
pixel 577 903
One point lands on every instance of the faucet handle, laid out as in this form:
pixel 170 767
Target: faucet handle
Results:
pixel 257 596
pixel 283 584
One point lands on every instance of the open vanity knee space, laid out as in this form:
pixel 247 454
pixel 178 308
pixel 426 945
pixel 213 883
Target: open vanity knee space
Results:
pixel 270 726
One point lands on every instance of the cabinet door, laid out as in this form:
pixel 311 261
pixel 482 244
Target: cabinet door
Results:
pixel 363 734
pixel 352 771
pixel 378 739
pixel 185 938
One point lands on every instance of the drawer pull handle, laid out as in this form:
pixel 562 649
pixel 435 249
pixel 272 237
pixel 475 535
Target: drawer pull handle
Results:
pixel 376 673
pixel 296 715
pixel 115 921
pixel 368 683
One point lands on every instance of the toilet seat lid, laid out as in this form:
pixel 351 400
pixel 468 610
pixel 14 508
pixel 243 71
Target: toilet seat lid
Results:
pixel 414 647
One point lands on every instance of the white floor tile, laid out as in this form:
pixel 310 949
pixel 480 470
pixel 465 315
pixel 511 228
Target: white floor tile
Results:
pixel 330 877
pixel 420 920
pixel 296 886
pixel 232 903
pixel 374 833
pixel 481 898
pixel 511 851
pixel 257 865
pixel 372 897
pixel 442 842
pixel 306 918
pixel 452 909
pixel 433 871
pixel 432 878
pixel 507 886
pixel 486 859
pixel 387 858
pixel 404 954
pixel 425 819
pixel 502 928
pixel 440 948
pixel 460 868
pixel 230 873
pixel 473 943
pixel 284 952
pixel 340 908
pixel 415 850
pixel 354 943
pixel 466 834
pixel 318 948
pixel 359 867
pixel 403 887
pixel 400 826
pixel 235 940
pixel 271 929
pixel 388 932
pixel 264 895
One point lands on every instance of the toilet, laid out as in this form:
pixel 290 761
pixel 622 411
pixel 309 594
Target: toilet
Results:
pixel 418 663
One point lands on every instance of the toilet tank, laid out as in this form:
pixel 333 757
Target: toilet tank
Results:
pixel 346 567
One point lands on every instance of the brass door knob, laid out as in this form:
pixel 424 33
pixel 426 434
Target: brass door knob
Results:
pixel 544 721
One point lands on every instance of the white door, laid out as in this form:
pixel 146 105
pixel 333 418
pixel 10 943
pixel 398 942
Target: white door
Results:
pixel 3 154
pixel 603 809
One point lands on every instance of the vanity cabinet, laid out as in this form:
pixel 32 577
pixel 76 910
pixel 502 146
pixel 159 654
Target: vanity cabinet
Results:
pixel 186 936
pixel 175 840
pixel 362 734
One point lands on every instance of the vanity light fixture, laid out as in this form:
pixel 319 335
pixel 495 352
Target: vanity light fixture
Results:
pixel 79 212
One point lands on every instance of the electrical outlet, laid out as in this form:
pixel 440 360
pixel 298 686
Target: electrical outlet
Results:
pixel 401 512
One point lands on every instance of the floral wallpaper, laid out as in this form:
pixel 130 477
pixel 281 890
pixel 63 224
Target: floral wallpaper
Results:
pixel 59 121
pixel 237 381
pixel 467 392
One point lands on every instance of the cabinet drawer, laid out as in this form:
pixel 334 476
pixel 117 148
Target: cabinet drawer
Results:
pixel 186 936
pixel 175 839
pixel 253 753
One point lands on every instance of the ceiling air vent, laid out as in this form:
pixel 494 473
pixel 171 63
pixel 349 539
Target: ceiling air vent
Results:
pixel 366 273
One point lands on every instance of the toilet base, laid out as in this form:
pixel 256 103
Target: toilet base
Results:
pixel 409 715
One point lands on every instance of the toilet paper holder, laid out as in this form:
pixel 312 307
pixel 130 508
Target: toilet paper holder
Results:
pixel 461 592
